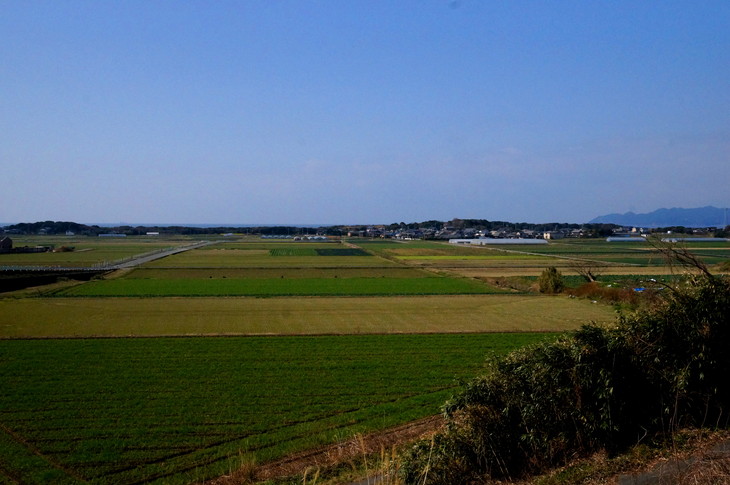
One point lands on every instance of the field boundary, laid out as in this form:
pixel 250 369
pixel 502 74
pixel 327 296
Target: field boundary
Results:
pixel 331 455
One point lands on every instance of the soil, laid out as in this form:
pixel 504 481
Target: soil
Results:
pixel 332 455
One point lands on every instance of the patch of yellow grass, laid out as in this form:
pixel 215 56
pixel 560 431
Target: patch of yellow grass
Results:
pixel 109 317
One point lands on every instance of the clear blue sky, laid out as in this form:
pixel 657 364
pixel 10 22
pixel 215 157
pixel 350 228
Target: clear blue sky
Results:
pixel 329 112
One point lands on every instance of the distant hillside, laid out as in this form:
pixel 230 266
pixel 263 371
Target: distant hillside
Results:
pixel 700 217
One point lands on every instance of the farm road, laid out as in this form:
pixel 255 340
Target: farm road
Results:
pixel 146 258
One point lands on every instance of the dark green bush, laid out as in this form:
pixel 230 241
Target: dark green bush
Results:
pixel 551 281
pixel 598 388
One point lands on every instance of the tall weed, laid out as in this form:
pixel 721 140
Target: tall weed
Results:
pixel 600 388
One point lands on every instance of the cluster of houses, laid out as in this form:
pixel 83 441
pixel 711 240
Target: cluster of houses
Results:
pixel 295 238
pixel 448 233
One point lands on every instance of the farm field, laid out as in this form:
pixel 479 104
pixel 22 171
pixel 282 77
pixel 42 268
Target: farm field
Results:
pixel 516 260
pixel 110 317
pixel 273 255
pixel 255 349
pixel 256 273
pixel 267 287
pixel 88 251
pixel 357 273
pixel 181 410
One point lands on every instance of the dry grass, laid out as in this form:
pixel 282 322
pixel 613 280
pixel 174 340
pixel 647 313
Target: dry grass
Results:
pixel 373 455
pixel 67 317
pixel 698 457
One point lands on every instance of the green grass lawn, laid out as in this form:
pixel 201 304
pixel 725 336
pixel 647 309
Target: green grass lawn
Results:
pixel 180 410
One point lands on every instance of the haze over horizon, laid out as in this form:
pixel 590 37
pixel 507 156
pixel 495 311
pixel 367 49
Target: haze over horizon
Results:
pixel 707 216
pixel 330 112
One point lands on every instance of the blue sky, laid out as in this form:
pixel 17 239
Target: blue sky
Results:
pixel 331 112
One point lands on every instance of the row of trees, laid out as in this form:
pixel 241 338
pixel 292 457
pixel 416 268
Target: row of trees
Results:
pixel 61 227
pixel 484 224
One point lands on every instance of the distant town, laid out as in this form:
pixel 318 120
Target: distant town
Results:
pixel 430 230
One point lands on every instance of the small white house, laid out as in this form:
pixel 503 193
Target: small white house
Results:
pixel 553 235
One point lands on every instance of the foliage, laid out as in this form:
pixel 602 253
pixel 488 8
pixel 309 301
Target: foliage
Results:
pixel 551 281
pixel 600 388
pixel 587 269
pixel 613 295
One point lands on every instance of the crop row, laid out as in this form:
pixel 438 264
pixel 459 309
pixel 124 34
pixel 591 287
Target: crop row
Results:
pixel 177 410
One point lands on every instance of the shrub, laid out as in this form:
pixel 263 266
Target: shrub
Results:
pixel 596 291
pixel 551 281
pixel 599 388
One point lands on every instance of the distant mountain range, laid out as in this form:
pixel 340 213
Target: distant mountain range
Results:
pixel 700 217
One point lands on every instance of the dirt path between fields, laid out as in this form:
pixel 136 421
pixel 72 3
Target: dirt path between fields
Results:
pixel 334 454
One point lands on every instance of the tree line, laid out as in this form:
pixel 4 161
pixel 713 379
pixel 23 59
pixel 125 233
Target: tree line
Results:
pixel 588 230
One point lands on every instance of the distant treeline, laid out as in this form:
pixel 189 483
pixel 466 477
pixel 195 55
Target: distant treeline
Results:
pixel 486 225
pixel 60 227
pixel 596 229
pixel 431 226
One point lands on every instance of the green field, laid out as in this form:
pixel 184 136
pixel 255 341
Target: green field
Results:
pixel 256 273
pixel 272 255
pixel 266 287
pixel 188 409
